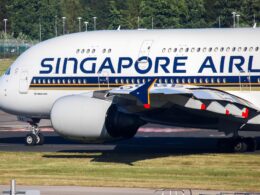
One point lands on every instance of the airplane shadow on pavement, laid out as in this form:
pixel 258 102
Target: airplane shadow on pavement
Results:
pixel 142 148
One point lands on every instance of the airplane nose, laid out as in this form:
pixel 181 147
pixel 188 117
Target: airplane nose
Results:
pixel 1 91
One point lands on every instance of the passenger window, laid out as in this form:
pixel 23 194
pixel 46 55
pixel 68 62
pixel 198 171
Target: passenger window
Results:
pixel 177 81
pixel 251 49
pixel 104 50
pixel 194 80
pixel 245 49
pixel 234 49
pixel 198 50
pixel 93 50
pixel 163 50
pixel 210 49
pixel 216 49
pixel 192 49
pixel 222 49
pixel 257 49
pixel 109 50
pixel 88 51
pixel 228 49
pixel 83 51
pixel 175 50
pixel 204 49
pixel 187 49
pixel 169 50
pixel 181 50
pixel 239 49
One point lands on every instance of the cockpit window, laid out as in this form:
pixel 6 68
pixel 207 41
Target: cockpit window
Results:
pixel 8 71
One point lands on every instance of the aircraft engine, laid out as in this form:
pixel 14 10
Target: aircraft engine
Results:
pixel 80 117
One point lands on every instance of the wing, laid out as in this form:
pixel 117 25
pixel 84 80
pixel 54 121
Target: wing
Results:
pixel 213 102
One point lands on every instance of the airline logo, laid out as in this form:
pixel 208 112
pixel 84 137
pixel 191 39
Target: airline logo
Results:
pixel 144 65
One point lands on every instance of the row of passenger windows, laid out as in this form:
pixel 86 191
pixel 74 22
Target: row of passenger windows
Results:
pixel 210 49
pixel 137 81
pixel 88 51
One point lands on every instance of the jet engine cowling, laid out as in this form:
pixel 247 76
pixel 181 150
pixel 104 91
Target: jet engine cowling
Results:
pixel 83 118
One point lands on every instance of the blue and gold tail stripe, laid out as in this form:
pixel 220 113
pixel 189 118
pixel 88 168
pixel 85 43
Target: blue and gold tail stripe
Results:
pixel 143 93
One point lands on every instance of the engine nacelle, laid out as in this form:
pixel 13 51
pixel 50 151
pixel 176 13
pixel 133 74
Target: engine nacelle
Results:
pixel 80 117
pixel 83 118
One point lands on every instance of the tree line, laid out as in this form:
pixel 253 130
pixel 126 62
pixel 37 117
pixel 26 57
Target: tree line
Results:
pixel 43 18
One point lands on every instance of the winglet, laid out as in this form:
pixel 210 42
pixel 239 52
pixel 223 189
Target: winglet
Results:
pixel 143 93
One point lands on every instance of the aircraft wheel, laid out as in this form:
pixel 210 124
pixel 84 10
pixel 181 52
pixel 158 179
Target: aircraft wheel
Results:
pixel 240 145
pixel 31 139
pixel 40 139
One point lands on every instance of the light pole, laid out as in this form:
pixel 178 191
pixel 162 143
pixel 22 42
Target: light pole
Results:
pixel 86 24
pixel 238 20
pixel 95 22
pixel 5 21
pixel 63 24
pixel 234 19
pixel 79 18
pixel 152 23
pixel 138 22
pixel 56 28
pixel 40 30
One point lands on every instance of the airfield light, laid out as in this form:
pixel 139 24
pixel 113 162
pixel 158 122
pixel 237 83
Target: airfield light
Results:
pixel 79 18
pixel 86 24
pixel 95 22
pixel 63 23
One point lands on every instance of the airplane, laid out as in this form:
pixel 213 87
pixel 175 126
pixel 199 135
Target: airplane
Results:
pixel 103 85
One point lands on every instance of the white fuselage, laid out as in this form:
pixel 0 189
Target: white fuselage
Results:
pixel 228 59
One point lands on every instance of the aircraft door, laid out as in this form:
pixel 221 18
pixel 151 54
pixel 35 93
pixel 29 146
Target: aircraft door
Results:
pixel 145 48
pixel 24 82
pixel 103 80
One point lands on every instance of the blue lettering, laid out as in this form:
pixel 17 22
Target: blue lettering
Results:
pixel 145 60
pixel 208 63
pixel 240 62
pixel 93 65
pixel 107 64
pixel 58 66
pixel 177 63
pixel 163 65
pixel 46 65
pixel 66 60
pixel 250 65
pixel 122 65
pixel 222 63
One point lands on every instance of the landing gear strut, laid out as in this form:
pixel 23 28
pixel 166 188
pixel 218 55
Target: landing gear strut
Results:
pixel 35 137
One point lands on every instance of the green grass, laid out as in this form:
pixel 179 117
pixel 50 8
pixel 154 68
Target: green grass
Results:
pixel 4 64
pixel 213 171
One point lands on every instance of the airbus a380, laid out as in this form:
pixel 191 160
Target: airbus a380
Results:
pixel 103 85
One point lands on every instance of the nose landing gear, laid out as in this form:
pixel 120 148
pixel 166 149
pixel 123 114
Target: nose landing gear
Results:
pixel 35 137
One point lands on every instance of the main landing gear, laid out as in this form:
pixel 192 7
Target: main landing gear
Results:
pixel 35 137
pixel 237 144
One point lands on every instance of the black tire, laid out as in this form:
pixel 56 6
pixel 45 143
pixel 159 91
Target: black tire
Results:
pixel 40 139
pixel 240 146
pixel 30 139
